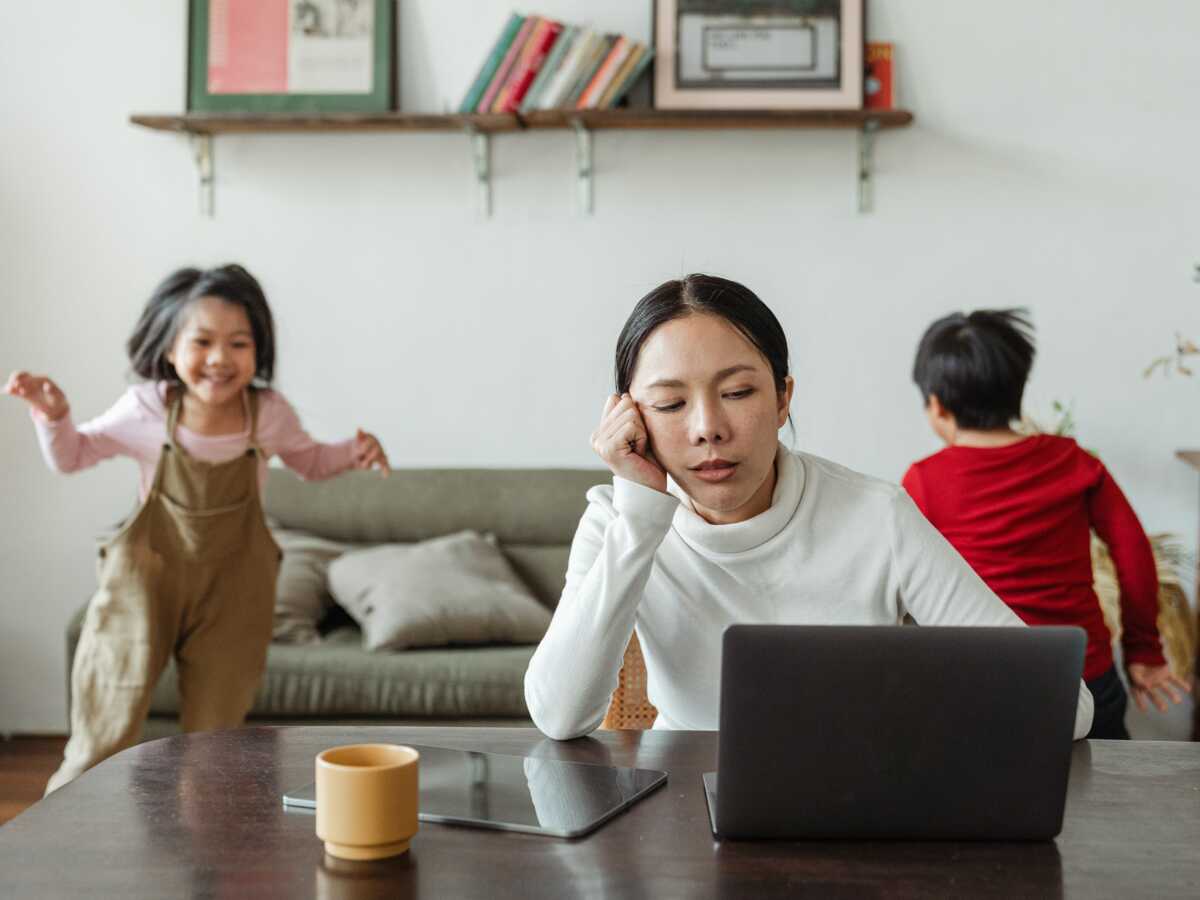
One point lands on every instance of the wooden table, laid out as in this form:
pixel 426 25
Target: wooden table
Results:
pixel 200 816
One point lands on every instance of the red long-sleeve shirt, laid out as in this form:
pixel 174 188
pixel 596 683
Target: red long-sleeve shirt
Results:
pixel 1020 516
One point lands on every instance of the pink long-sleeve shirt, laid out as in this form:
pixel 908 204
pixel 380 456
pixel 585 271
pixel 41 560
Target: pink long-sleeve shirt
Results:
pixel 136 426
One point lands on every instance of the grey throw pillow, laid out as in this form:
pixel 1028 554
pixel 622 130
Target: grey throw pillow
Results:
pixel 457 589
pixel 302 596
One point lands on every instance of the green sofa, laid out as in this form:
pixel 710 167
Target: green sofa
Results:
pixel 532 512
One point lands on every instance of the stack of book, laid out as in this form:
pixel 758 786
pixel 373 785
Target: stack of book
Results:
pixel 538 63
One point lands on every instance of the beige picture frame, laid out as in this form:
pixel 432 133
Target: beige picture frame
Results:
pixel 847 93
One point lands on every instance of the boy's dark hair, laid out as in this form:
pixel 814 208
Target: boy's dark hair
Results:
pixel 733 302
pixel 162 317
pixel 977 364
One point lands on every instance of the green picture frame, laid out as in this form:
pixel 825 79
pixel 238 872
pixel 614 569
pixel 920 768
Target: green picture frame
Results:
pixel 380 98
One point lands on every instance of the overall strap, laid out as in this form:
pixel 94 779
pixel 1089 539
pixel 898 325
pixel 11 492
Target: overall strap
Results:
pixel 252 409
pixel 174 400
pixel 255 451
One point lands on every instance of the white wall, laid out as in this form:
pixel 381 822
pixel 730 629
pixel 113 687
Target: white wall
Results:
pixel 1053 164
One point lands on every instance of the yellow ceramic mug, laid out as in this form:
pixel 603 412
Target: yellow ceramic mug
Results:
pixel 367 799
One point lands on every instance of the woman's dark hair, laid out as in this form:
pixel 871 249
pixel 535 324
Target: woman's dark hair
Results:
pixel 733 302
pixel 977 364
pixel 161 319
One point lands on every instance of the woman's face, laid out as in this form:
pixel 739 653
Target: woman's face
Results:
pixel 713 414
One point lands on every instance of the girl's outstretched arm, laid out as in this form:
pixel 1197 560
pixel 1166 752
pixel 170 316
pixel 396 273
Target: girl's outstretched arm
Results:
pixel 65 448
pixel 281 434
pixel 45 398
pixel 369 453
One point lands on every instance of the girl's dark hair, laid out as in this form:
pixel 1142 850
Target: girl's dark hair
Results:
pixel 162 317
pixel 977 364
pixel 733 302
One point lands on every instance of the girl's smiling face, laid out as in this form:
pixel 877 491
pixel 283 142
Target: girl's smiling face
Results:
pixel 214 352
pixel 713 414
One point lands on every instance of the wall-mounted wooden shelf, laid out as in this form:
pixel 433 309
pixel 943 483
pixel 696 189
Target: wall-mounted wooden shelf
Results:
pixel 246 123
pixel 202 127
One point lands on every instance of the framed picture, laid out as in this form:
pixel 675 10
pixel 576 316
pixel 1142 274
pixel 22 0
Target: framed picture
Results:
pixel 291 55
pixel 758 54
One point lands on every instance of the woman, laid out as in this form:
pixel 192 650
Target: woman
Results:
pixel 711 521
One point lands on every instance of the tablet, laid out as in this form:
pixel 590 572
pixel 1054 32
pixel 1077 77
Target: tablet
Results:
pixel 532 794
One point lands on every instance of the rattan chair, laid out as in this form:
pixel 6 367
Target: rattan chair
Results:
pixel 630 709
pixel 1176 624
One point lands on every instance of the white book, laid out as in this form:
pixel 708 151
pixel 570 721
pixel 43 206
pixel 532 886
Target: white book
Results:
pixel 568 73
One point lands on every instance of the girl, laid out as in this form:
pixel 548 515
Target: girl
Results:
pixel 711 521
pixel 192 573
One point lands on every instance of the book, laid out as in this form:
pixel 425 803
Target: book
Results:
pixel 537 48
pixel 488 70
pixel 879 84
pixel 635 53
pixel 501 96
pixel 607 70
pixel 506 64
pixel 588 70
pixel 635 72
pixel 549 68
pixel 562 80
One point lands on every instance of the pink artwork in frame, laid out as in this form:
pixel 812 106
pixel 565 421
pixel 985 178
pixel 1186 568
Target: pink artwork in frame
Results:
pixel 248 47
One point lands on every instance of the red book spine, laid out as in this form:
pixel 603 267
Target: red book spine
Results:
pixel 526 70
pixel 879 86
pixel 489 96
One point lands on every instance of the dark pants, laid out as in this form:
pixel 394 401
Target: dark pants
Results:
pixel 1108 723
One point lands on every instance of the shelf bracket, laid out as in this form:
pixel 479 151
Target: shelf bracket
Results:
pixel 866 160
pixel 481 150
pixel 202 152
pixel 584 167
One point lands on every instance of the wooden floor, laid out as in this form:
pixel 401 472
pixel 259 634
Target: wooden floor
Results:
pixel 26 764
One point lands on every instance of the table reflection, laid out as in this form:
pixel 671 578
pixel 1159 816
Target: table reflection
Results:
pixel 384 879
pixel 523 792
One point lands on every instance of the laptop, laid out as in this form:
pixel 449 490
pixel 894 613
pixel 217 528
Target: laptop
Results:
pixel 885 732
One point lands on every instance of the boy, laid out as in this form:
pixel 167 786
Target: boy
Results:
pixel 1020 509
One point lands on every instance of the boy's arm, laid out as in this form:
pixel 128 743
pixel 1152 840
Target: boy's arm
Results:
pixel 285 437
pixel 1137 574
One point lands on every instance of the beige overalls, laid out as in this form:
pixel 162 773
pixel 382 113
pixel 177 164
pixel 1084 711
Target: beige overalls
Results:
pixel 191 574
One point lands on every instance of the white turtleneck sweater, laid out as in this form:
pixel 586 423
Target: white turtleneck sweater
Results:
pixel 834 548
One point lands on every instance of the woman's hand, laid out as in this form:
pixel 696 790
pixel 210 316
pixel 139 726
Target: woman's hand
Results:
pixel 621 440
pixel 368 453
pixel 1156 684
pixel 42 394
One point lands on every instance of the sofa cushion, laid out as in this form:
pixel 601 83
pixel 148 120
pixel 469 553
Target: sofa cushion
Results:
pixel 457 589
pixel 302 597
pixel 522 507
pixel 542 569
